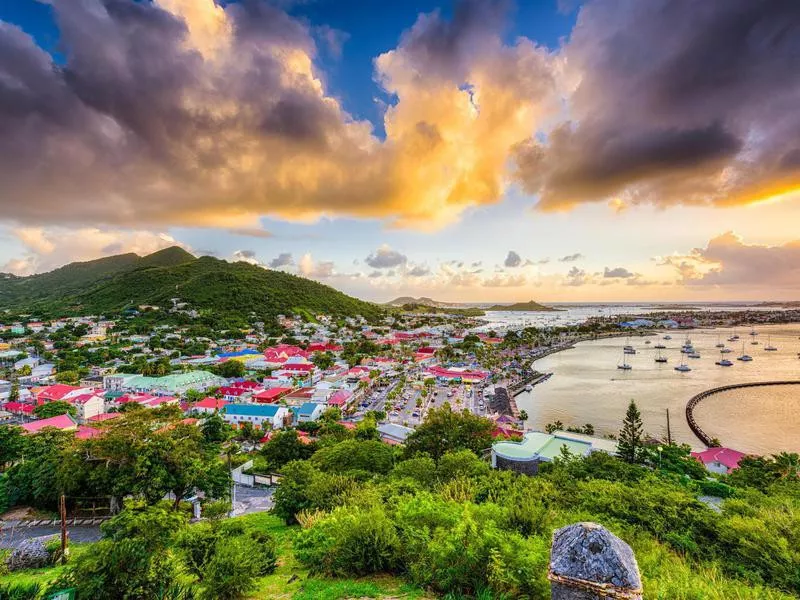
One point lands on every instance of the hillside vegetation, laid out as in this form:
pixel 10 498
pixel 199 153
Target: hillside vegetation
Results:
pixel 111 285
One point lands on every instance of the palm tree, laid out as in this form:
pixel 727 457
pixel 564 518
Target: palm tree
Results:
pixel 787 465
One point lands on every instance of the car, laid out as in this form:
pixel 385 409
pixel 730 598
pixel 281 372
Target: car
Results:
pixel 415 414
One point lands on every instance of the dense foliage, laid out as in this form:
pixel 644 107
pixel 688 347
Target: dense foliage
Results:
pixel 238 290
pixel 456 526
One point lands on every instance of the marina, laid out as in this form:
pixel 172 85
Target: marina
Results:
pixel 655 386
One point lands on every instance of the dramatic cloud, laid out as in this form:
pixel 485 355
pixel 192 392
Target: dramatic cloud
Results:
pixel 577 277
pixel 513 259
pixel 617 273
pixel 314 270
pixel 284 259
pixel 418 271
pixel 674 101
pixel 385 258
pixel 48 248
pixel 727 260
pixel 571 257
pixel 184 112
pixel 248 256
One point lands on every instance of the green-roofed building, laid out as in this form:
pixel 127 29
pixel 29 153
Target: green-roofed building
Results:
pixel 173 385
pixel 537 447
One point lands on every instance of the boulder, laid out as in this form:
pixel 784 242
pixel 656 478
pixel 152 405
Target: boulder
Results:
pixel 588 562
pixel 30 554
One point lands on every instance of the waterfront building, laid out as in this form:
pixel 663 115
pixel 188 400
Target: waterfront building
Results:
pixel 719 460
pixel 537 447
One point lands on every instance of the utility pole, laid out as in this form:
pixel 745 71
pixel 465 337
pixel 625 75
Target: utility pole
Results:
pixel 62 509
pixel 669 432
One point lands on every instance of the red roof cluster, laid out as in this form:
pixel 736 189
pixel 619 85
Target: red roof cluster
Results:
pixel 725 456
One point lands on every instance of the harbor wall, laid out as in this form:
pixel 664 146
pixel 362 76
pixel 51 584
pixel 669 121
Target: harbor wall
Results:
pixel 695 400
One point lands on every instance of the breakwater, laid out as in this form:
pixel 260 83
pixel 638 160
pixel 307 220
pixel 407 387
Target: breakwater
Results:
pixel 695 400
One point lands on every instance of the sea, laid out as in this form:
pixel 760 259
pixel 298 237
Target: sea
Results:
pixel 587 387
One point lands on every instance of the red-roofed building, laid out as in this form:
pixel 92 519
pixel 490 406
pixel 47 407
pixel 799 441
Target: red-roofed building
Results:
pixel 236 392
pixel 340 398
pixel 104 417
pixel 56 392
pixel 719 460
pixel 87 405
pixel 271 395
pixel 85 432
pixel 63 422
pixel 209 405
pixel 19 408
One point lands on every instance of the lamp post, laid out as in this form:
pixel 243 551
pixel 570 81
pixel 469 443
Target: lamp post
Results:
pixel 659 456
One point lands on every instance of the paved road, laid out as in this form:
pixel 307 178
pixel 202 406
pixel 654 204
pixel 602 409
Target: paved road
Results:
pixel 252 500
pixel 11 536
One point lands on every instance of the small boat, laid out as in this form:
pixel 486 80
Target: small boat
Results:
pixel 660 358
pixel 667 337
pixel 528 388
pixel 624 365
pixel 719 343
pixel 723 362
pixel 660 346
pixel 694 355
pixel 647 341
pixel 753 332
pixel 725 350
pixel 688 349
pixel 629 350
pixel 769 347
pixel 683 368
pixel 754 343
pixel 744 358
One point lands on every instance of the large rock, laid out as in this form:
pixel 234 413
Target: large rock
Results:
pixel 30 554
pixel 588 562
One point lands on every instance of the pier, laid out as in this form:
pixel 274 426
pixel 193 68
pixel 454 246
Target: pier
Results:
pixel 695 400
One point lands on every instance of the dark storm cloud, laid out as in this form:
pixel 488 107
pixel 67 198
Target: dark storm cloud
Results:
pixel 677 102
pixel 512 259
pixel 617 273
pixel 284 259
pixel 385 258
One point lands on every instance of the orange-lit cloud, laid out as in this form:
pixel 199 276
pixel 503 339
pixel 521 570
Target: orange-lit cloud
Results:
pixel 183 112
pixel 48 248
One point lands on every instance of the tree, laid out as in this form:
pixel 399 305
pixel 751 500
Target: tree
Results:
pixel 367 430
pixel 230 369
pixel 192 395
pixel 523 415
pixel 285 446
pixel 446 431
pixel 55 408
pixel 555 426
pixel 11 441
pixel 13 395
pixel 215 429
pixel 630 446
pixel 323 360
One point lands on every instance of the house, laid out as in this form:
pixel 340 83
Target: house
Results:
pixel 173 385
pixel 271 395
pixel 264 416
pixel 209 405
pixel 537 447
pixel 88 405
pixel 392 433
pixel 310 411
pixel 719 460
pixel 340 398
pixel 63 422
pixel 59 391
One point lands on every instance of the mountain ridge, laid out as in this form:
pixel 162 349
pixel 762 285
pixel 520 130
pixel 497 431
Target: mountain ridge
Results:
pixel 111 285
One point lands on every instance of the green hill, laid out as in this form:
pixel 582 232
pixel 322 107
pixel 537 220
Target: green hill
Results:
pixel 111 285
pixel 530 305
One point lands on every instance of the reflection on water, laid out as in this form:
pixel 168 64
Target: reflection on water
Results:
pixel 587 387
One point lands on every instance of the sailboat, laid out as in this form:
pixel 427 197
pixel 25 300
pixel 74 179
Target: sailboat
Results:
pixel 683 367
pixel 660 358
pixel 769 347
pixel 753 332
pixel 719 343
pixel 667 337
pixel 724 350
pixel 723 362
pixel 734 337
pixel 744 357
pixel 624 366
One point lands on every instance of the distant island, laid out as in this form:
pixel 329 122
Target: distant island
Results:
pixel 529 306
pixel 422 300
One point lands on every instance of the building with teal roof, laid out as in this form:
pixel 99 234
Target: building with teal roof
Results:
pixel 537 447
pixel 173 385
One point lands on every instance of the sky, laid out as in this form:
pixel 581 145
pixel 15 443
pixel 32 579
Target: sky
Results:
pixel 474 151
